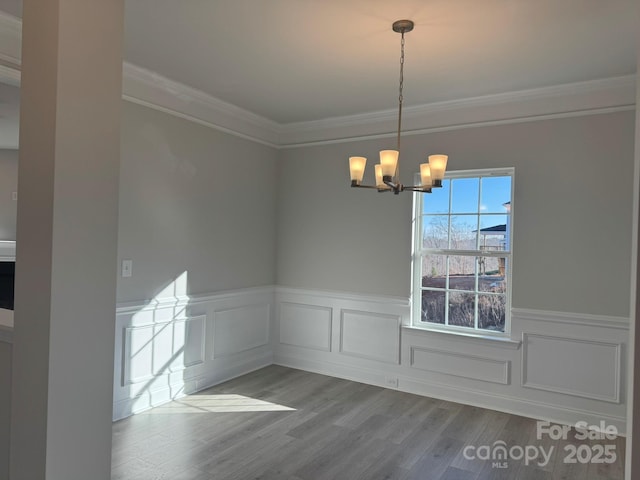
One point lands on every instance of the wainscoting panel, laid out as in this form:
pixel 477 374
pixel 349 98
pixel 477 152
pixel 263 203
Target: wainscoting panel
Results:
pixel 240 329
pixel 556 366
pixel 307 326
pixel 174 346
pixel 584 368
pixel 460 365
pixel 569 368
pixel 153 350
pixel 370 335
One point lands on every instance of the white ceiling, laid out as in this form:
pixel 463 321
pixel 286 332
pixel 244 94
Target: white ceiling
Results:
pixel 300 60
pixel 297 60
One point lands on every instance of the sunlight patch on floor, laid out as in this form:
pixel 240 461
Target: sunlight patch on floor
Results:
pixel 221 403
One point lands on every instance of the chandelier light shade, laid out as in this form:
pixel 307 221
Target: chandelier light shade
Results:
pixel 356 165
pixel 387 172
pixel 425 176
pixel 380 185
pixel 438 165
pixel 388 163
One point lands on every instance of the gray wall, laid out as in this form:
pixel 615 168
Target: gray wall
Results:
pixel 193 199
pixel 8 185
pixel 572 212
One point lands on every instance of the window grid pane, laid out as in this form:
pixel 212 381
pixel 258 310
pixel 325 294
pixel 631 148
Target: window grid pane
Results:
pixel 465 254
pixel 433 306
pixel 435 232
pixel 458 285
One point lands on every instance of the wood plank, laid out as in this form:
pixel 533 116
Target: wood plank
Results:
pixel 337 430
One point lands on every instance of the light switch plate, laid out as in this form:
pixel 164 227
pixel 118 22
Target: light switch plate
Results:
pixel 127 268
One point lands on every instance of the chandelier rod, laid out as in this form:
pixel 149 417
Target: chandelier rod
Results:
pixel 400 99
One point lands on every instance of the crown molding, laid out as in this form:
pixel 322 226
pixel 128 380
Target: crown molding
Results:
pixel 151 89
pixel 576 99
pixel 148 88
pixel 573 99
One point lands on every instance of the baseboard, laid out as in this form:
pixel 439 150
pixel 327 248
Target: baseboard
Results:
pixel 225 374
pixel 130 406
pixel 476 398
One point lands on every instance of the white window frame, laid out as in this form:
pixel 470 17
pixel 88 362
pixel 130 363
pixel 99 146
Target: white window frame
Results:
pixel 418 252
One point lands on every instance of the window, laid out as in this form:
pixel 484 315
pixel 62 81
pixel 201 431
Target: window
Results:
pixel 462 252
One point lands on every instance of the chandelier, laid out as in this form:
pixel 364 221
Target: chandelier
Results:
pixel 387 172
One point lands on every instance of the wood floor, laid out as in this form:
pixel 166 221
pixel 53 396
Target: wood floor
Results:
pixel 283 424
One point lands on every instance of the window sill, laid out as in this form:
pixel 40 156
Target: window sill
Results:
pixel 489 340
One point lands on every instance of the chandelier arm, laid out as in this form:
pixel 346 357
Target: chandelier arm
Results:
pixel 396 188
pixel 418 188
pixel 366 186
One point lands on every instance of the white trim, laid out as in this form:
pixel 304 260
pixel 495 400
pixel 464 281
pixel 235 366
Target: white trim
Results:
pixel 215 321
pixel 231 294
pixel 395 318
pixel 126 373
pixel 471 390
pixel 483 399
pixel 129 406
pixel 621 85
pixel 152 90
pixel 614 398
pixel 190 118
pixel 168 302
pixel 144 87
pixel 347 296
pixel 505 364
pixel 218 356
pixel 303 306
pixel 586 98
pixel 579 98
pixel 155 304
pixel 481 172
pixel 486 388
pixel 153 388
pixel 461 126
pixel 472 336
pixel 570 318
